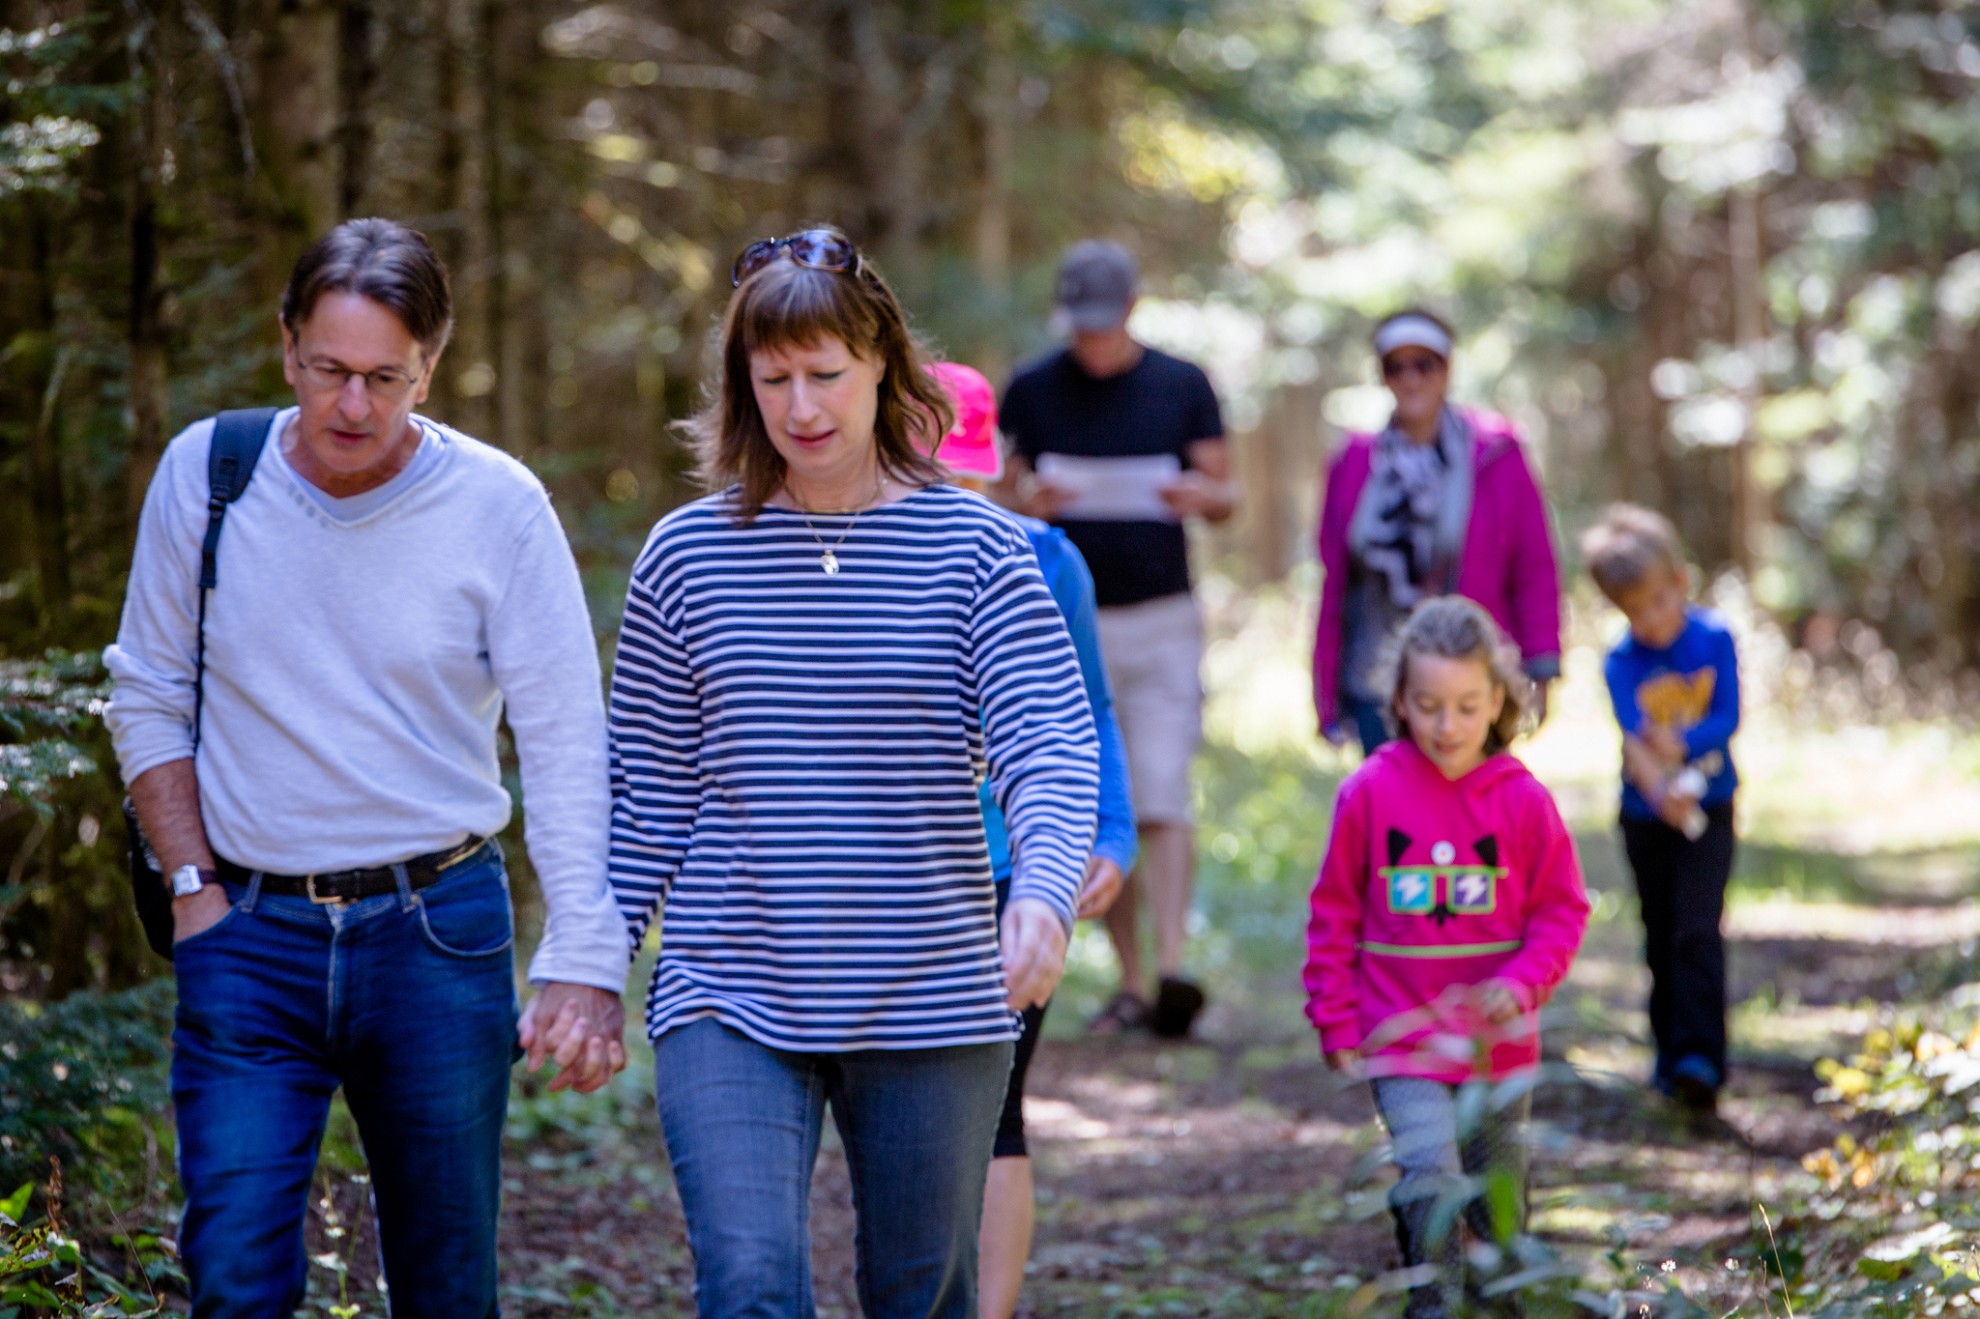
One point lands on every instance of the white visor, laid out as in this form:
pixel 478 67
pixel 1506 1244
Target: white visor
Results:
pixel 1412 332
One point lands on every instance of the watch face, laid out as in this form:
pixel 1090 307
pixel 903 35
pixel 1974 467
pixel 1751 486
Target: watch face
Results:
pixel 186 880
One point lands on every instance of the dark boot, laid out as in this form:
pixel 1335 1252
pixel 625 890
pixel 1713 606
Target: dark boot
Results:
pixel 1439 1298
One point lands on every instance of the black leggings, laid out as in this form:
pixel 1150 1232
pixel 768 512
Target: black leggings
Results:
pixel 1682 885
pixel 1010 1127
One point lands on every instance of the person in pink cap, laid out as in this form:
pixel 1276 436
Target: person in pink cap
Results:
pixel 971 451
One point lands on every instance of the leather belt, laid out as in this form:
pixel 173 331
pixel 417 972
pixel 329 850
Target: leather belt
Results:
pixel 370 882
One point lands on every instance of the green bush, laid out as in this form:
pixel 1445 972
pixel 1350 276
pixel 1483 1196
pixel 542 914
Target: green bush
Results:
pixel 85 1080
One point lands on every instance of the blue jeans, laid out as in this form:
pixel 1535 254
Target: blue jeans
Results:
pixel 408 1001
pixel 743 1122
pixel 1366 716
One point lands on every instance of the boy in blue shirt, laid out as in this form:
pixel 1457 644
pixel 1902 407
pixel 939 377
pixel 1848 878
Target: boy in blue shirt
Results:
pixel 1674 679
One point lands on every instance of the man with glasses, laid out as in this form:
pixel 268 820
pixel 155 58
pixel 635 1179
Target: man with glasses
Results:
pixel 310 746
pixel 1119 444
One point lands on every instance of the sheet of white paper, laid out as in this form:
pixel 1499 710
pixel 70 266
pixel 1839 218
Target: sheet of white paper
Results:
pixel 1112 489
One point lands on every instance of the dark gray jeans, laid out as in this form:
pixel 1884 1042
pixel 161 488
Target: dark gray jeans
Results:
pixel 1462 1154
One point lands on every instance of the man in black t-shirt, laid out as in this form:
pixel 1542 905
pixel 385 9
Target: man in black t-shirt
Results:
pixel 1118 443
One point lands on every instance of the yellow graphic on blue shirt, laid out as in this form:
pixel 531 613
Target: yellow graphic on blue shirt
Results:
pixel 1677 701
pixel 1444 888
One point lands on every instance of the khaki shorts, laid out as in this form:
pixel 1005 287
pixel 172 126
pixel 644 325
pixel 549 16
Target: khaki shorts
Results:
pixel 1152 651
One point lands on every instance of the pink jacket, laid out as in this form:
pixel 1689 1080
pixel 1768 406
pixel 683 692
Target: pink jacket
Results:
pixel 1431 886
pixel 1507 564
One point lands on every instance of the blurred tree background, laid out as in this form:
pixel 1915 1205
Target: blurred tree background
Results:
pixel 1713 255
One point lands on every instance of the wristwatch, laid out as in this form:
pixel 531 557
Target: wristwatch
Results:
pixel 189 879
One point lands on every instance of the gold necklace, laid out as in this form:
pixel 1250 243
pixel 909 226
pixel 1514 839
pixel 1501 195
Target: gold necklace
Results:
pixel 828 559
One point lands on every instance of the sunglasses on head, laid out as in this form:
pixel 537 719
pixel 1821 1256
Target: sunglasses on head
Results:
pixel 815 249
pixel 1396 367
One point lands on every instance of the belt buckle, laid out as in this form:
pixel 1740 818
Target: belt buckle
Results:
pixel 309 887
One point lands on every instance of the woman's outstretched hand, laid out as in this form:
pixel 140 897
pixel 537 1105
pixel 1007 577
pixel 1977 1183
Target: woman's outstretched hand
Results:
pixel 1034 944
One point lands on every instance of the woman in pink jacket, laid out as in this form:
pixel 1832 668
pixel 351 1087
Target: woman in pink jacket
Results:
pixel 1449 906
pixel 1441 502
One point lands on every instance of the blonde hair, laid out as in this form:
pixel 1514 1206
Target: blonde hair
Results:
pixel 1452 627
pixel 1626 544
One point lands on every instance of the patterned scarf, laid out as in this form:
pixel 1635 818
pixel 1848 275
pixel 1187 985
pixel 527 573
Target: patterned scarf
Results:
pixel 1409 525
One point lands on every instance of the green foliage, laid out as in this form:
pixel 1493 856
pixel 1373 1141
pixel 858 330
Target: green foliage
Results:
pixel 85 1080
pixel 49 119
pixel 44 1273
pixel 84 1098
pixel 42 704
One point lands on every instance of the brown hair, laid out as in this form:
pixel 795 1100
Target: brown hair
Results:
pixel 385 261
pixel 787 305
pixel 1626 544
pixel 1452 627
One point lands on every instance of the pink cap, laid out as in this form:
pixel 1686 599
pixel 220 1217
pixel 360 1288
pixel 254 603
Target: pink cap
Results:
pixel 971 449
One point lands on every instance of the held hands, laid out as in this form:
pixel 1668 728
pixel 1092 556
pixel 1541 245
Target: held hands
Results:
pixel 1034 945
pixel 582 1028
pixel 1103 885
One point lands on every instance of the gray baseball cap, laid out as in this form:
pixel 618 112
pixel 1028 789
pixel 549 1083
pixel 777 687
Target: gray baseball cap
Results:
pixel 1097 281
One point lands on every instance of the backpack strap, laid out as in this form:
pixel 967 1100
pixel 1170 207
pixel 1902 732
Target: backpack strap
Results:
pixel 237 441
pixel 238 436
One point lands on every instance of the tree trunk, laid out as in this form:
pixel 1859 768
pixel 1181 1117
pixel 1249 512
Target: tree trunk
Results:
pixel 357 75
pixel 146 330
pixel 495 186
pixel 45 364
pixel 449 233
pixel 296 122
pixel 1749 309
pixel 996 108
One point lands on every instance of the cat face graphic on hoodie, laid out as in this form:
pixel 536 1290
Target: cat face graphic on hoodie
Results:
pixel 1431 881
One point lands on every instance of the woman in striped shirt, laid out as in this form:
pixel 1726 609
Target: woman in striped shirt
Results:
pixel 817 665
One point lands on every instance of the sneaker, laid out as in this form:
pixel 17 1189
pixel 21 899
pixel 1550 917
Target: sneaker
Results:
pixel 1695 1083
pixel 1125 1011
pixel 1176 1004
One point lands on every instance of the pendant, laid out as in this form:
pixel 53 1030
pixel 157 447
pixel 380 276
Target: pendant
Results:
pixel 830 563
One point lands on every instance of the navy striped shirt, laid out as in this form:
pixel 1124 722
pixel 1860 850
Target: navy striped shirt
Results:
pixel 795 759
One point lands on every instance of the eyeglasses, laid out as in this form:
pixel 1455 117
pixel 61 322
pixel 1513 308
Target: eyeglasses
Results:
pixel 387 383
pixel 815 249
pixel 1394 368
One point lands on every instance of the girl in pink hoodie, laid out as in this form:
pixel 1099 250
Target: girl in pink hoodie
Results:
pixel 1448 907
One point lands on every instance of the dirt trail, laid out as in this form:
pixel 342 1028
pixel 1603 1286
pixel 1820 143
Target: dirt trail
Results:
pixel 1221 1177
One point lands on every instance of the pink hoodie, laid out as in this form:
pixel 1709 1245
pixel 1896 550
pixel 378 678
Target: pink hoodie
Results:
pixel 1432 885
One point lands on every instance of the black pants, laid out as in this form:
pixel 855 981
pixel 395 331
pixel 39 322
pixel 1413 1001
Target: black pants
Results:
pixel 1682 886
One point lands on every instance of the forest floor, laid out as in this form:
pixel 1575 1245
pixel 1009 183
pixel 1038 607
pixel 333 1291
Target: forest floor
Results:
pixel 1231 1175
pixel 1227 1175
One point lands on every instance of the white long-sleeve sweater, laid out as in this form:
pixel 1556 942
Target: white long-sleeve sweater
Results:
pixel 356 670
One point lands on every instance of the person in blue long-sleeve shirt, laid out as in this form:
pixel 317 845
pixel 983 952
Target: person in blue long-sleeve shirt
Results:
pixel 1674 681
pixel 972 452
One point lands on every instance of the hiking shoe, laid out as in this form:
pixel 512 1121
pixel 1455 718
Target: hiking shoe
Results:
pixel 1695 1084
pixel 1176 1004
pixel 1126 1011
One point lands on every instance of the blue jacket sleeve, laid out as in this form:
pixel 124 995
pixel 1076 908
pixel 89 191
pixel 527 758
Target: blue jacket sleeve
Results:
pixel 1714 732
pixel 1618 674
pixel 1072 590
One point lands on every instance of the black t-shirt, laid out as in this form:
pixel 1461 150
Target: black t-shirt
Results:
pixel 1160 406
